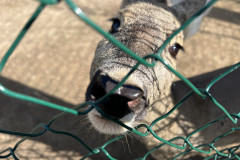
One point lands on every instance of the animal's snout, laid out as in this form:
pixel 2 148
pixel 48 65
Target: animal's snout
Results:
pixel 123 101
pixel 126 91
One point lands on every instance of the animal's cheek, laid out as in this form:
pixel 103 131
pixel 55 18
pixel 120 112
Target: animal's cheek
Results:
pixel 160 84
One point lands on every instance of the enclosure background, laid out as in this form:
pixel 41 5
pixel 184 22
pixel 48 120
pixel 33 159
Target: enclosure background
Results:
pixel 53 61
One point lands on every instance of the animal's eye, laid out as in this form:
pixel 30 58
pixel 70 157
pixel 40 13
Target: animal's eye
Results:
pixel 173 50
pixel 115 25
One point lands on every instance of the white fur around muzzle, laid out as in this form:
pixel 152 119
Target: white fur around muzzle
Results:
pixel 106 126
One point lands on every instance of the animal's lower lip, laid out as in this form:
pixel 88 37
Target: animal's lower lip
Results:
pixel 104 125
pixel 100 117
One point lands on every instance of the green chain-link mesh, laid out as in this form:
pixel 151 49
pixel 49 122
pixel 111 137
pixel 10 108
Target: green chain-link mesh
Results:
pixel 229 153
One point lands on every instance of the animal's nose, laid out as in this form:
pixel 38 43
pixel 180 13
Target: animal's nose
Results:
pixel 123 101
pixel 127 91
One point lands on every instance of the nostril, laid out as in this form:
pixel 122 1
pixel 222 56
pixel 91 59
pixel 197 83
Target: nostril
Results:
pixel 123 101
pixel 131 92
pixel 97 91
pixel 107 83
pixel 127 91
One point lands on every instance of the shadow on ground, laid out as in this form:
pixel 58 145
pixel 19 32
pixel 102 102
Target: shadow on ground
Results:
pixel 225 14
pixel 23 116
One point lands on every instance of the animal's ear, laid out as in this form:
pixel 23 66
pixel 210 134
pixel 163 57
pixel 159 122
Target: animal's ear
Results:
pixel 184 9
pixel 127 2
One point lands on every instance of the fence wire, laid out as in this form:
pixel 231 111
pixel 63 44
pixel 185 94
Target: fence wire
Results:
pixel 228 153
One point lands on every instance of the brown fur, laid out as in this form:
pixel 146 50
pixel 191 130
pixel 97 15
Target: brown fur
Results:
pixel 145 25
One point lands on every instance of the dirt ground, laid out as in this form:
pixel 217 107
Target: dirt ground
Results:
pixel 53 62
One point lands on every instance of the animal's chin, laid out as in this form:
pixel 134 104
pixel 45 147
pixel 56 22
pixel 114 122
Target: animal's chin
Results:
pixel 106 126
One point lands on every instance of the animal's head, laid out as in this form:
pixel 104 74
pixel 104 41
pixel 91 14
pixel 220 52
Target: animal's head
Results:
pixel 142 26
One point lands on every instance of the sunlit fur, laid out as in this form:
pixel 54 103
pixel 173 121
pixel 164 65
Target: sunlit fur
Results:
pixel 145 25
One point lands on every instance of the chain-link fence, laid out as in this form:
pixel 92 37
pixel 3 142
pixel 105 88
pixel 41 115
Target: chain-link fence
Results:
pixel 228 153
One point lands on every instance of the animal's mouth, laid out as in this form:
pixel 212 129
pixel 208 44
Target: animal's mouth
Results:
pixel 107 126
pixel 127 104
